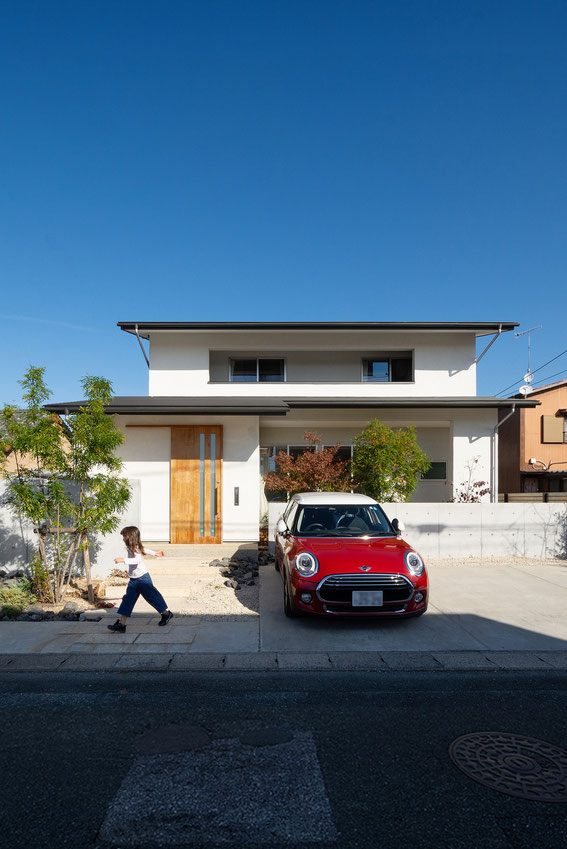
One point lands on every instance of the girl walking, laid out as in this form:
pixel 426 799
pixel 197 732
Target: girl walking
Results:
pixel 140 583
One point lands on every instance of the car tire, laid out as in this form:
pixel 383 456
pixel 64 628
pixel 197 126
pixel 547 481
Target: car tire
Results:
pixel 276 565
pixel 289 607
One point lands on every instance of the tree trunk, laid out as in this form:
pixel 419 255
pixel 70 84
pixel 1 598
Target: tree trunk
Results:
pixel 87 561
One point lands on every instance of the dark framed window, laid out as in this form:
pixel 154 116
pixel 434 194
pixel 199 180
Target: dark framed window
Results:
pixel 388 368
pixel 436 472
pixel 296 451
pixel 257 370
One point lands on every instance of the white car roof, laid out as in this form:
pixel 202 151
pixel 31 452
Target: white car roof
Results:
pixel 333 498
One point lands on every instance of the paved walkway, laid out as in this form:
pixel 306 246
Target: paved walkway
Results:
pixel 481 617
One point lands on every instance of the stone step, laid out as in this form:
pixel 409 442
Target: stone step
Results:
pixel 206 552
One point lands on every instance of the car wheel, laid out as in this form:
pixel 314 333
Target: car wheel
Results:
pixel 276 565
pixel 290 609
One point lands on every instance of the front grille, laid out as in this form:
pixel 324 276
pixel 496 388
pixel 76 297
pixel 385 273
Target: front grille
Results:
pixel 338 589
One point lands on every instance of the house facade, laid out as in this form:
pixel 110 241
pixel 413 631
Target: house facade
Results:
pixel 540 434
pixel 225 397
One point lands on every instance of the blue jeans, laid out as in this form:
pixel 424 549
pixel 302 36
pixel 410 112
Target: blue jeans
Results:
pixel 144 587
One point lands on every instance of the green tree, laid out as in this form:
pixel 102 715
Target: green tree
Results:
pixel 67 482
pixel 93 466
pixel 387 462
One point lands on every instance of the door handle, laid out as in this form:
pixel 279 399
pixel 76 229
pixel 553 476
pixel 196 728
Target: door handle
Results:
pixel 216 501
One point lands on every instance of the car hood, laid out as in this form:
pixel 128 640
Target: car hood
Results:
pixel 382 554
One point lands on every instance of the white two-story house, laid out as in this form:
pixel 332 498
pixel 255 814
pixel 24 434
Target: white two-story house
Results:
pixel 225 397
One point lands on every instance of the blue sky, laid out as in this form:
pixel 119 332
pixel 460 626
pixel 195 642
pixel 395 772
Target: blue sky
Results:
pixel 252 160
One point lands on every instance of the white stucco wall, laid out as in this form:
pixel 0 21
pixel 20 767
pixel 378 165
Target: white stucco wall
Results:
pixel 474 446
pixel 443 362
pixel 146 454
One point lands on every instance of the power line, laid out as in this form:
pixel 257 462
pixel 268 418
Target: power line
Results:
pixel 557 373
pixel 533 372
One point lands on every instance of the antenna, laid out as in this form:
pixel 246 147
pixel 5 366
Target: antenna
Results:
pixel 528 377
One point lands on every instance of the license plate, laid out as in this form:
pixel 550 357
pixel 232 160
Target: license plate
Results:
pixel 367 598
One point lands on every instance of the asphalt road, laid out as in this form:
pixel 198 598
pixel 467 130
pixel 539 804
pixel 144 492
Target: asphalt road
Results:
pixel 287 760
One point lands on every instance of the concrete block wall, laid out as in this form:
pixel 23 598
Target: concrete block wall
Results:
pixel 476 530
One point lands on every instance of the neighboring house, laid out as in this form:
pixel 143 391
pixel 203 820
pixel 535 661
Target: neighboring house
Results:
pixel 539 434
pixel 225 397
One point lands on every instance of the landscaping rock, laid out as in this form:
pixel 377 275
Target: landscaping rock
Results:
pixel 231 583
pixel 70 607
pixel 34 610
pixel 23 617
pixel 226 571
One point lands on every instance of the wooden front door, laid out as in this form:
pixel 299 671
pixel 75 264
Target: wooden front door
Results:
pixel 196 484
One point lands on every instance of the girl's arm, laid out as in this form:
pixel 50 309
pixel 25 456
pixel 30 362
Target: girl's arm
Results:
pixel 154 553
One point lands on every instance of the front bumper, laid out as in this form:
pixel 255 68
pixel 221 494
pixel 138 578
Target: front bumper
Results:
pixel 331 595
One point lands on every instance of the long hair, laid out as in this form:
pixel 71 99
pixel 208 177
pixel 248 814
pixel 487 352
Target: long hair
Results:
pixel 132 540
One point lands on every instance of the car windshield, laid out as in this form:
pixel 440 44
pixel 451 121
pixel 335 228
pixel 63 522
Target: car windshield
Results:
pixel 336 520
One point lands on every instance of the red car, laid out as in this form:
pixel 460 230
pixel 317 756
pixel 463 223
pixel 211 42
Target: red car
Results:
pixel 339 555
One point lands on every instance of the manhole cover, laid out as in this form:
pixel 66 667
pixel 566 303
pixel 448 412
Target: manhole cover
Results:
pixel 518 766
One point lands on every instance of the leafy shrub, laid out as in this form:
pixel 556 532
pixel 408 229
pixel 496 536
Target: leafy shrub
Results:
pixel 14 599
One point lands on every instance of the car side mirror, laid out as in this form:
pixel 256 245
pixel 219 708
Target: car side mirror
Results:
pixel 398 526
pixel 281 527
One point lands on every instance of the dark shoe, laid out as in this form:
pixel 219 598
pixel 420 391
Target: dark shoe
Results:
pixel 165 617
pixel 118 627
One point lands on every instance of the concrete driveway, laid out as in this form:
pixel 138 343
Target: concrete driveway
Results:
pixel 499 606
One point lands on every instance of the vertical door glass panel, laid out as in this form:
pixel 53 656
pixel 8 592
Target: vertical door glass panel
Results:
pixel 213 484
pixel 201 484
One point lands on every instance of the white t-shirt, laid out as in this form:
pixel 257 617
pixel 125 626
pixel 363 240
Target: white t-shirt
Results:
pixel 136 564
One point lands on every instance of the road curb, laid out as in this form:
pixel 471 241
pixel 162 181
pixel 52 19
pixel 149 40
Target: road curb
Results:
pixel 378 662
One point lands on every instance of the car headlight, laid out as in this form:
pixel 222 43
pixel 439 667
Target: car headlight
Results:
pixel 306 564
pixel 414 563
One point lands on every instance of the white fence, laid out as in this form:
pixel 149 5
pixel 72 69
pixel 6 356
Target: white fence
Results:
pixel 476 530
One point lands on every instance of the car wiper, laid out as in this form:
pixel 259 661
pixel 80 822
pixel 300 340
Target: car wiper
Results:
pixel 380 534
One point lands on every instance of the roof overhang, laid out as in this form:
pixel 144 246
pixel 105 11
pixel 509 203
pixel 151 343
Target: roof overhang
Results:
pixel 479 328
pixel 415 403
pixel 179 405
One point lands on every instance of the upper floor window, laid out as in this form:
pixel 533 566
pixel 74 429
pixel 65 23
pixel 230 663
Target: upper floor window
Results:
pixel 257 370
pixel 388 368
